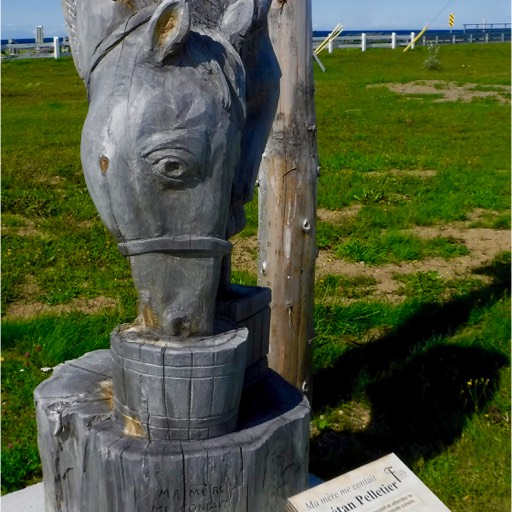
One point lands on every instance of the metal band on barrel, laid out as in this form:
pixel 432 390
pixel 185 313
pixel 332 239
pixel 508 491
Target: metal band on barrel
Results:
pixel 202 245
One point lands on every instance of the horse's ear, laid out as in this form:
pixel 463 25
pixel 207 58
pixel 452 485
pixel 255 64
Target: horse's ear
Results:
pixel 237 20
pixel 168 28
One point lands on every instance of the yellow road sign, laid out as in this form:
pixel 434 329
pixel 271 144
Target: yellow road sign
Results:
pixel 451 19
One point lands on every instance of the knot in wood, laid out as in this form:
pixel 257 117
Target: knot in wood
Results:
pixel 104 161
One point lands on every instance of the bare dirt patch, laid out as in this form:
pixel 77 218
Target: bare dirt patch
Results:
pixel 427 173
pixel 29 288
pixel 51 180
pixel 21 227
pixel 483 244
pixel 26 307
pixel 337 216
pixel 450 91
pixel 245 254
pixel 20 310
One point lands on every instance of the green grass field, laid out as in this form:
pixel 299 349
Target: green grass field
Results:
pixel 412 312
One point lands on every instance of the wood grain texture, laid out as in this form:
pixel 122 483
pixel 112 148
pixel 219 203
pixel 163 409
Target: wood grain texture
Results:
pixel 68 405
pixel 91 465
pixel 287 198
pixel 178 390
pixel 248 306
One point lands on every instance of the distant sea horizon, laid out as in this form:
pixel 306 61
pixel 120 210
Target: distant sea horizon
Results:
pixel 323 33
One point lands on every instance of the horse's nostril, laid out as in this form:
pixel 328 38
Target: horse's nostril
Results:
pixel 104 164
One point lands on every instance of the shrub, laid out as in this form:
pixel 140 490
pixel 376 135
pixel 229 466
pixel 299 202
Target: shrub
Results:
pixel 432 62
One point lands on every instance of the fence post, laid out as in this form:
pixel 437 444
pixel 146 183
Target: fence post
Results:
pixel 502 37
pixel 437 40
pixel 486 38
pixel 331 46
pixel 454 39
pixel 470 38
pixel 393 40
pixel 56 47
pixel 363 42
pixel 413 36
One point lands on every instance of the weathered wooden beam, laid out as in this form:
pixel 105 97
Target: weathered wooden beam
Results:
pixel 287 197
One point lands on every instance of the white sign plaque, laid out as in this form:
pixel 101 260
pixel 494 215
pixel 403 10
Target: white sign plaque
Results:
pixel 385 485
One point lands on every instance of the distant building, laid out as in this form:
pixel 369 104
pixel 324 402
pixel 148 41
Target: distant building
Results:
pixel 39 34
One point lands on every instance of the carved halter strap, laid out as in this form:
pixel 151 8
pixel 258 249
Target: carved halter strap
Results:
pixel 181 245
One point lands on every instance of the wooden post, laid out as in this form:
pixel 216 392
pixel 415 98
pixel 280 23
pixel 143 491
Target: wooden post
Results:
pixel 393 40
pixel 413 37
pixel 363 42
pixel 56 47
pixel 287 197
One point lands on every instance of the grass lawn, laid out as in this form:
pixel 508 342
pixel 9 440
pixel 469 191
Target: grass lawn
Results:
pixel 412 312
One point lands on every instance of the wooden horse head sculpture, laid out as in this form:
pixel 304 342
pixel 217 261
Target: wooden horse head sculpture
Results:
pixel 182 97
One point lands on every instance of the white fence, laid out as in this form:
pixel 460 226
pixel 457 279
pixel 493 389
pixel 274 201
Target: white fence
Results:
pixel 363 41
pixel 55 49
pixel 394 40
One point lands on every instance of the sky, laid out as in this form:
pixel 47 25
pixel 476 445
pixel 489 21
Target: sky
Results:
pixel 20 17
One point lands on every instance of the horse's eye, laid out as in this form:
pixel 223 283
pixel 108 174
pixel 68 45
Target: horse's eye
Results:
pixel 175 171
pixel 172 167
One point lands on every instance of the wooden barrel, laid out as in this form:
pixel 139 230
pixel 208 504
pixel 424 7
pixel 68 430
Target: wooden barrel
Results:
pixel 181 390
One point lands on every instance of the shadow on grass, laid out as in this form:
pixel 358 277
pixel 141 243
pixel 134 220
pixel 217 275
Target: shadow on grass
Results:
pixel 421 388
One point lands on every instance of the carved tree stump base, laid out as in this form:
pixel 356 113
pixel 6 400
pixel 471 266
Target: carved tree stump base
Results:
pixel 91 465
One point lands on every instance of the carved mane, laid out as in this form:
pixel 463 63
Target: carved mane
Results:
pixel 85 34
